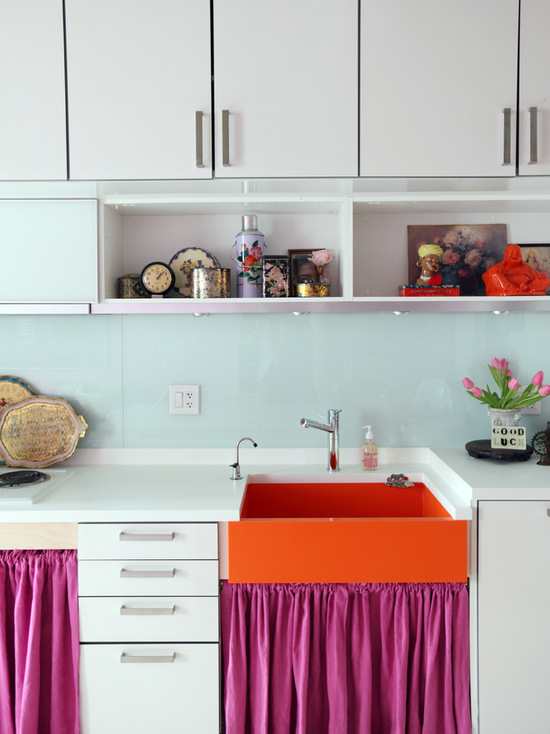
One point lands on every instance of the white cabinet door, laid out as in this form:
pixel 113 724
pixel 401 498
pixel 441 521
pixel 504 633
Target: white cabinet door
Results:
pixel 48 251
pixel 286 74
pixel 138 73
pixel 32 89
pixel 436 76
pixel 534 89
pixel 514 609
pixel 146 689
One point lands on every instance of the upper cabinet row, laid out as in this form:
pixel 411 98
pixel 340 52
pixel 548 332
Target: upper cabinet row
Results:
pixel 247 89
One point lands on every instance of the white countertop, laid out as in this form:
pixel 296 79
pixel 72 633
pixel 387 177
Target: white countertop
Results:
pixel 195 485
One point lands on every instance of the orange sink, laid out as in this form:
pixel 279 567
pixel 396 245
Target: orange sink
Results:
pixel 344 532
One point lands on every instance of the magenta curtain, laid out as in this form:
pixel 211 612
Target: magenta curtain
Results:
pixel 38 642
pixel 346 658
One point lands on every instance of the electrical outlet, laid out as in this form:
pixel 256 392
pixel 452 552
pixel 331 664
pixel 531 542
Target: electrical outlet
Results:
pixel 534 409
pixel 184 399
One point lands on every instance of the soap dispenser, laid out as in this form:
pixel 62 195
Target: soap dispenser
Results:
pixel 369 451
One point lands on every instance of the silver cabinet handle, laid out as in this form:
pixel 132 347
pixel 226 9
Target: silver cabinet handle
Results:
pixel 146 611
pixel 126 573
pixel 125 658
pixel 145 537
pixel 507 151
pixel 198 140
pixel 533 135
pixel 225 138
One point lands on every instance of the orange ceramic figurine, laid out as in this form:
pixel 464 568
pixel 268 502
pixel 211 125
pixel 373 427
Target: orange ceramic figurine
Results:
pixel 513 277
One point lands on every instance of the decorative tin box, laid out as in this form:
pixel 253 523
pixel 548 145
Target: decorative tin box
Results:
pixel 276 271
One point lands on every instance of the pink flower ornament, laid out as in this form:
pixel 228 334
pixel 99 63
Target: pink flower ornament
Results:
pixel 544 390
pixel 513 384
pixel 321 258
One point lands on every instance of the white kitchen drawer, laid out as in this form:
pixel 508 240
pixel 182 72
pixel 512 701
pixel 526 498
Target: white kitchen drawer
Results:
pixel 177 693
pixel 152 619
pixel 147 540
pixel 147 578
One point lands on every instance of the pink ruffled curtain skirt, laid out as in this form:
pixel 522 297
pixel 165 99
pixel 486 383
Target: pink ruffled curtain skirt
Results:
pixel 38 642
pixel 346 658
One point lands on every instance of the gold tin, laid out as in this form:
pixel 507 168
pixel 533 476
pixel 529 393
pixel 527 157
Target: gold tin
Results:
pixel 307 290
pixel 127 286
pixel 211 283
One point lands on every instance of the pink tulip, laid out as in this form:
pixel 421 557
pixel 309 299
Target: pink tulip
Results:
pixel 468 384
pixel 477 393
pixel 544 390
pixel 500 364
pixel 537 379
pixel 513 384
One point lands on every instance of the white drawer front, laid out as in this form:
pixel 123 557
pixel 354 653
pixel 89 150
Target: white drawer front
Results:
pixel 158 688
pixel 148 578
pixel 147 540
pixel 152 619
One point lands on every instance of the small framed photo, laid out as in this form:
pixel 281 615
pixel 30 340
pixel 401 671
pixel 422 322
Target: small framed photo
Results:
pixel 276 272
pixel 537 256
pixel 465 252
pixel 302 270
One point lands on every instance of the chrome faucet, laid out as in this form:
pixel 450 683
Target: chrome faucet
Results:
pixel 332 428
pixel 236 474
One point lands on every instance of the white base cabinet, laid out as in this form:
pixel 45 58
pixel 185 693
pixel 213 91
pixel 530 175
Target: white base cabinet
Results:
pixel 149 628
pixel 513 614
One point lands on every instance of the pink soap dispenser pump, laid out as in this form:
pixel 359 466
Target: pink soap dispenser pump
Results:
pixel 369 451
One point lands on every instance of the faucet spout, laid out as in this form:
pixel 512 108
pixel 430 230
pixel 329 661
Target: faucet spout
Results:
pixel 332 428
pixel 236 474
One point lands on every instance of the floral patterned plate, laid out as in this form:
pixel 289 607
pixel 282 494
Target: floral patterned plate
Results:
pixel 184 262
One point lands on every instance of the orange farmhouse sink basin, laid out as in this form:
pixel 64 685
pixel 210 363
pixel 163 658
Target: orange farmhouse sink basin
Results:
pixel 344 532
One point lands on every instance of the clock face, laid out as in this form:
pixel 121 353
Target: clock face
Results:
pixel 157 278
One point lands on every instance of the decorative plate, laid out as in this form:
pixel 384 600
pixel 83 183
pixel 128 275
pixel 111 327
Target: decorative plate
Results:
pixel 12 390
pixel 183 264
pixel 39 431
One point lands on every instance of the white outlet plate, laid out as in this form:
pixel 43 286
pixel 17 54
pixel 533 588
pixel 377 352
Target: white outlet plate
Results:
pixel 534 409
pixel 184 399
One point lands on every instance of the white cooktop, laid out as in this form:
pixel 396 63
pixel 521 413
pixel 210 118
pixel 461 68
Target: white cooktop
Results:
pixel 27 494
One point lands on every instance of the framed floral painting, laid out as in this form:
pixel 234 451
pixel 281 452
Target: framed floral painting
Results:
pixel 467 250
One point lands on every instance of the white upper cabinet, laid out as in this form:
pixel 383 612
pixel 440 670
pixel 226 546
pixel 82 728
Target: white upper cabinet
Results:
pixel 32 90
pixel 436 79
pixel 534 89
pixel 285 88
pixel 139 89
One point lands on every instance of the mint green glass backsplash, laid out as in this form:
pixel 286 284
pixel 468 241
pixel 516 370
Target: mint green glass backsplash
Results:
pixel 260 374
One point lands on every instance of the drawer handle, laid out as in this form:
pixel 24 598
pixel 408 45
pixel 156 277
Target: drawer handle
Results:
pixel 144 537
pixel 125 658
pixel 145 611
pixel 126 573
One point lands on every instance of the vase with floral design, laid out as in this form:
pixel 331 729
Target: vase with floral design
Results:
pixel 504 417
pixel 249 249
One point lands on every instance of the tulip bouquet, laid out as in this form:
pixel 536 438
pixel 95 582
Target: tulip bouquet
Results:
pixel 510 395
